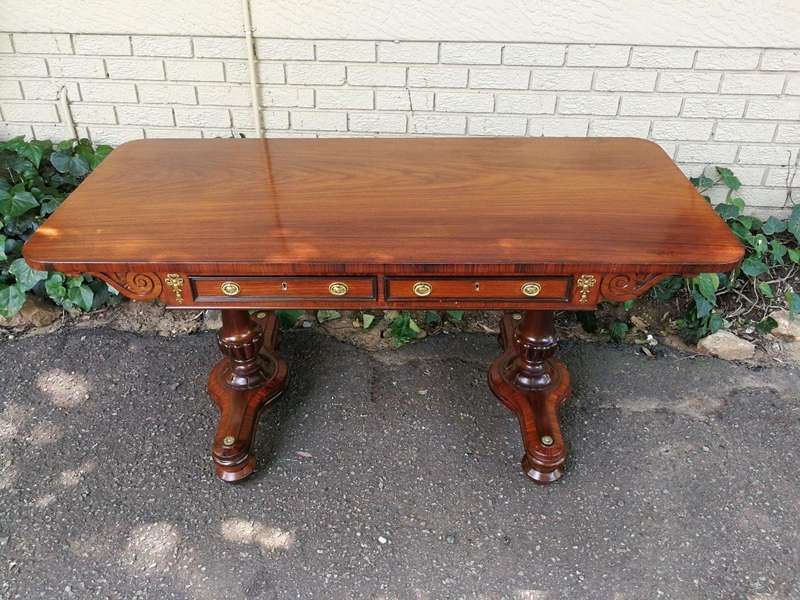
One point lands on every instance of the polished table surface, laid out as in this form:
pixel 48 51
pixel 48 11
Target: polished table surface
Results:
pixel 531 225
pixel 281 205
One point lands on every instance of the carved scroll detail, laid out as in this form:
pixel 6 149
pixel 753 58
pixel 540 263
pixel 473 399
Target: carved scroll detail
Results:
pixel 136 286
pixel 627 286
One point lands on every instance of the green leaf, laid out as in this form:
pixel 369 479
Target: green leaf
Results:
pixel 81 296
pixel 766 289
pixel 288 318
pixel 78 166
pixel 794 255
pixel 26 277
pixel 728 178
pixel 367 320
pixel 32 151
pixel 753 267
pixel 777 251
pixel 667 289
pixel 795 216
pixel 328 315
pixel 54 286
pixel 99 154
pixel 793 301
pixel 737 202
pixel 751 223
pixel 3 247
pixel 707 284
pixel 759 243
pixel 60 160
pixel 432 317
pixel 17 204
pixel 12 297
pixel 715 322
pixel 701 182
pixel 618 329
pixel 628 304
pixel 793 227
pixel 702 305
pixel 455 315
pixel 84 150
pixel 741 231
pixel 767 325
pixel 727 211
pixel 403 329
pixel 772 226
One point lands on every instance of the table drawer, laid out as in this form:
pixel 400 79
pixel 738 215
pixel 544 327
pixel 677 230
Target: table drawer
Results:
pixel 481 288
pixel 273 288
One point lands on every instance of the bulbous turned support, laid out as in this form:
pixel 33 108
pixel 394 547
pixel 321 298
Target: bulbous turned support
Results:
pixel 243 383
pixel 241 339
pixel 535 341
pixel 531 383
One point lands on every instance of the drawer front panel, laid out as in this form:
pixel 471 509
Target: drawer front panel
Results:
pixel 283 288
pixel 498 288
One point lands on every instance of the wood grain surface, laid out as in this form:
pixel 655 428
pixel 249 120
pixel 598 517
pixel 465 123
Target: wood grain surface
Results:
pixel 403 206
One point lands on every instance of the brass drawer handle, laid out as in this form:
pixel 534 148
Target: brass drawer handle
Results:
pixel 338 288
pixel 531 288
pixel 230 288
pixel 423 288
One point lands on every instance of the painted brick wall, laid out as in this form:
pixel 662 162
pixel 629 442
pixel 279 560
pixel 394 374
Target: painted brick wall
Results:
pixel 738 107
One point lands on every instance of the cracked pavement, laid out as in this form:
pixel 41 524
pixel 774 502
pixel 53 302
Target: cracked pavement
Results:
pixel 392 475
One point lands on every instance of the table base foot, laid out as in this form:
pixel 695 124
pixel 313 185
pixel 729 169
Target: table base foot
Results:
pixel 533 385
pixel 242 384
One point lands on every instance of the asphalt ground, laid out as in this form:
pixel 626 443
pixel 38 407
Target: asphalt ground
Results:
pixel 392 475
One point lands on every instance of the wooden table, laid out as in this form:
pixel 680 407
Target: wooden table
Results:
pixel 532 225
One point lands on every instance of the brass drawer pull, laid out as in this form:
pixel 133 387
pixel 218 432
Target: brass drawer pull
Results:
pixel 531 288
pixel 338 288
pixel 423 288
pixel 230 288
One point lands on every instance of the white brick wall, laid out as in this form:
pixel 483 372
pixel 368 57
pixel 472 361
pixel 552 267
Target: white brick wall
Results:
pixel 738 107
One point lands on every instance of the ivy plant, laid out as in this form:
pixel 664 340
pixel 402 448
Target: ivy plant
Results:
pixel 771 250
pixel 35 178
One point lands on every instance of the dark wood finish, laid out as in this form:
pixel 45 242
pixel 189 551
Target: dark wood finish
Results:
pixel 532 384
pixel 242 384
pixel 278 222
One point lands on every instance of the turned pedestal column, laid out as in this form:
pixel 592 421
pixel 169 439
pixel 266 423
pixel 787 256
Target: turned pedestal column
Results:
pixel 531 383
pixel 249 377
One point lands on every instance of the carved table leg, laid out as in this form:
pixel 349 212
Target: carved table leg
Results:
pixel 533 385
pixel 248 379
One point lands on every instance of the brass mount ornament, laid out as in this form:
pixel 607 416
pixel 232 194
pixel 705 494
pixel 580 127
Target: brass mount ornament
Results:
pixel 175 282
pixel 585 285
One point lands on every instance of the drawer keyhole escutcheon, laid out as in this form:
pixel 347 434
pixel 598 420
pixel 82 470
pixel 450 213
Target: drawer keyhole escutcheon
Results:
pixel 531 288
pixel 284 286
pixel 337 288
pixel 230 288
pixel 422 288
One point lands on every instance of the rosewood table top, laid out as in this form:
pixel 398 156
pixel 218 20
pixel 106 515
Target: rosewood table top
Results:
pixel 530 225
pixel 224 206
